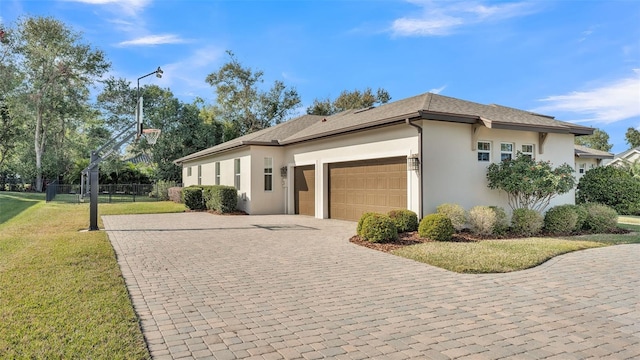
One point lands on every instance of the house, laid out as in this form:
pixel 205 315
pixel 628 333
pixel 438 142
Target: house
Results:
pixel 626 158
pixel 415 153
pixel 587 158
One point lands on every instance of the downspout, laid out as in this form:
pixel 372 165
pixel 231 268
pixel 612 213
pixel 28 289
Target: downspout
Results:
pixel 421 166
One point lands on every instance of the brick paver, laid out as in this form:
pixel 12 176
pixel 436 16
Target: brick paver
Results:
pixel 293 287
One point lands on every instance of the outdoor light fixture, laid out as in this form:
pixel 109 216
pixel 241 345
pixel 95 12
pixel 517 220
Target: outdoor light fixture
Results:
pixel 413 163
pixel 283 171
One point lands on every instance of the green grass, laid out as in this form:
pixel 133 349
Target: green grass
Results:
pixel 492 256
pixel 61 291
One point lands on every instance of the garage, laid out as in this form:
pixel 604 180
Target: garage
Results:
pixel 377 185
pixel 305 190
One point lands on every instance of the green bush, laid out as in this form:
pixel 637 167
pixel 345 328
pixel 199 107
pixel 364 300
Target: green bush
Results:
pixel 175 194
pixel 162 189
pixel 501 225
pixel 526 222
pixel 436 227
pixel 482 220
pixel 363 217
pixel 455 213
pixel 379 228
pixel 561 219
pixel 611 186
pixel 600 218
pixel 192 198
pixel 405 220
pixel 220 198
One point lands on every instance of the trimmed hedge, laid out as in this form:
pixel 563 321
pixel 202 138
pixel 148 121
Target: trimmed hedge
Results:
pixel 220 198
pixel 405 220
pixel 436 227
pixel 455 213
pixel 612 186
pixel 561 219
pixel 363 217
pixel 600 218
pixel 379 228
pixel 526 222
pixel 482 220
pixel 501 225
pixel 192 198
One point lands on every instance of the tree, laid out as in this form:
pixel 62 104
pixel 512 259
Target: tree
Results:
pixel 612 186
pixel 347 100
pixel 599 140
pixel 58 70
pixel 242 103
pixel 530 184
pixel 632 137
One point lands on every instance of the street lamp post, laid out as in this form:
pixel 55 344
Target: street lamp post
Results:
pixel 109 148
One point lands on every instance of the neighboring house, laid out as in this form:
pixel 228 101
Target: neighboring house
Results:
pixel 588 158
pixel 415 153
pixel 628 157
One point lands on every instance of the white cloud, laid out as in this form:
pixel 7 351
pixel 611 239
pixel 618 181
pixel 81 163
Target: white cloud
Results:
pixel 152 40
pixel 619 100
pixel 438 90
pixel 130 7
pixel 443 18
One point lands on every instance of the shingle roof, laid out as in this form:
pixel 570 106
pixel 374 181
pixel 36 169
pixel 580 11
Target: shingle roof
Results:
pixel 624 154
pixel 425 106
pixel 586 152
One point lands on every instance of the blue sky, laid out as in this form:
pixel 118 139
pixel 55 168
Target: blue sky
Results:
pixel 576 60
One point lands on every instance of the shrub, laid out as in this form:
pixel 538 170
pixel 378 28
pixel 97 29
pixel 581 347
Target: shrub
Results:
pixel 220 198
pixel 405 220
pixel 600 218
pixel 561 219
pixel 379 228
pixel 363 217
pixel 455 213
pixel 482 220
pixel 162 189
pixel 581 211
pixel 502 221
pixel 436 227
pixel 175 194
pixel 192 198
pixel 526 222
pixel 611 186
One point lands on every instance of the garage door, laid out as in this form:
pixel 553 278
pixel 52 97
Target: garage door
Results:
pixel 305 190
pixel 376 185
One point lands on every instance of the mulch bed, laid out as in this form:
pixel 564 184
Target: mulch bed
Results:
pixel 412 238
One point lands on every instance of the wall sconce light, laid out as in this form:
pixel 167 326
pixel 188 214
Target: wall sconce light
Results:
pixel 283 171
pixel 413 163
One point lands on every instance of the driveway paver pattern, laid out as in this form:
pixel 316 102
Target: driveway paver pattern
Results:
pixel 293 287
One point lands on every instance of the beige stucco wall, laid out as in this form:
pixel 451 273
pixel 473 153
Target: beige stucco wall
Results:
pixel 397 140
pixel 453 173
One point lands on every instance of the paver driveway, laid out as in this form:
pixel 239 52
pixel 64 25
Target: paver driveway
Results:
pixel 293 287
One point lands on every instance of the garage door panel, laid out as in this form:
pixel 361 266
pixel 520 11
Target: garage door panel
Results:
pixel 376 185
pixel 304 190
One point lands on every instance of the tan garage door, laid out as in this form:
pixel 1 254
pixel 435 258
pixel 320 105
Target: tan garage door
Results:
pixel 305 190
pixel 372 185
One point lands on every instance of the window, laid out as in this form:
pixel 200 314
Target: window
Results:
pixel 582 168
pixel 527 150
pixel 199 174
pixel 189 171
pixel 268 174
pixel 236 170
pixel 484 151
pixel 217 172
pixel 506 151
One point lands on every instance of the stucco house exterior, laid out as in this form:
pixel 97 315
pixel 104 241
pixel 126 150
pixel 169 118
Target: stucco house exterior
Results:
pixel 626 157
pixel 587 158
pixel 415 153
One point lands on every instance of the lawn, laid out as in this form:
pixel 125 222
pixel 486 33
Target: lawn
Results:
pixel 497 256
pixel 61 291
